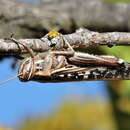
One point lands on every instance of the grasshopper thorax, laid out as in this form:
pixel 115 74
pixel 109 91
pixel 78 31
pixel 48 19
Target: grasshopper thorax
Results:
pixel 29 67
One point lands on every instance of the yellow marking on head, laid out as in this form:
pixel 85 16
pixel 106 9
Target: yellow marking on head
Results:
pixel 53 33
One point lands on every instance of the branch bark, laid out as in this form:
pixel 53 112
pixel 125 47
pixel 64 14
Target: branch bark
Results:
pixel 81 38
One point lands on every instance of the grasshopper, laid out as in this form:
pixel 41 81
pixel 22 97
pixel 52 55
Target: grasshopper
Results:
pixel 59 66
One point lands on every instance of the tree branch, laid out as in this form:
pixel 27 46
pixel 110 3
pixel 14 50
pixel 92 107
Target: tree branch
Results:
pixel 81 38
pixel 38 17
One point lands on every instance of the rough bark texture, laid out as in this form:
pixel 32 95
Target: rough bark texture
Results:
pixel 81 38
pixel 66 15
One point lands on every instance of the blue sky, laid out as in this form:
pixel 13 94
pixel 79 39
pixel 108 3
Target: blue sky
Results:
pixel 19 99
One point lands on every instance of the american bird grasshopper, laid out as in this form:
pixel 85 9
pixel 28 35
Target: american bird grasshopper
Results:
pixel 68 65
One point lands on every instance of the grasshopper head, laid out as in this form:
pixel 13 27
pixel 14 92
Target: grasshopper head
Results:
pixel 26 69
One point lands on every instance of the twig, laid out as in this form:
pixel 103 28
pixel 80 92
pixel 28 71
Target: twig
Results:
pixel 81 38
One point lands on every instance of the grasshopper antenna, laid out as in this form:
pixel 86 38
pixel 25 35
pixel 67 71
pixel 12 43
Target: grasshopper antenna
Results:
pixel 13 77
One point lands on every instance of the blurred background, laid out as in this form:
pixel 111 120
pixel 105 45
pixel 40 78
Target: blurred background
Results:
pixel 86 105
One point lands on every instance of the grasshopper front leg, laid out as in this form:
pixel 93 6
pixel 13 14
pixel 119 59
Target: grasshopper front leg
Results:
pixel 31 70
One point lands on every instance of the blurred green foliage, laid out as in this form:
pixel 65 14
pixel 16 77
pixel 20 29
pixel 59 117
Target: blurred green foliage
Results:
pixel 118 51
pixel 70 116
pixel 123 86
